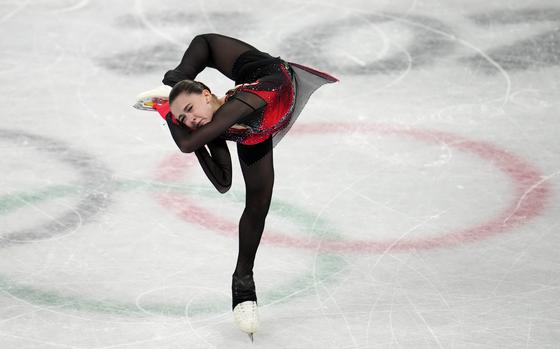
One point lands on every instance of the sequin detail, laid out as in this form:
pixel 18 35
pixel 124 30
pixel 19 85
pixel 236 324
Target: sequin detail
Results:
pixel 275 84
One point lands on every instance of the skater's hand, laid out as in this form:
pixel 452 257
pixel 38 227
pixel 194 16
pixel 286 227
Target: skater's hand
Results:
pixel 163 110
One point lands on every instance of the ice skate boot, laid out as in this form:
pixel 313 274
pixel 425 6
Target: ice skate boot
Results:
pixel 147 100
pixel 244 304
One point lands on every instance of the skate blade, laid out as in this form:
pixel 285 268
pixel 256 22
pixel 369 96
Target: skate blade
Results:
pixel 148 104
pixel 144 105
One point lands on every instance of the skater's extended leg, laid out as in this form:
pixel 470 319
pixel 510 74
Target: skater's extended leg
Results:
pixel 258 172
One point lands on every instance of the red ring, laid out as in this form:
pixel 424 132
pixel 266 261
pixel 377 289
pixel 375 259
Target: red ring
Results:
pixel 530 200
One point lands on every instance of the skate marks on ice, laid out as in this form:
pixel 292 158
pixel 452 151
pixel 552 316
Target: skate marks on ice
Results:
pixel 424 46
pixel 180 19
pixel 529 194
pixel 9 9
pixel 149 301
pixel 144 60
pixel 430 40
pixel 427 41
pixel 63 6
pixel 94 185
pixel 539 50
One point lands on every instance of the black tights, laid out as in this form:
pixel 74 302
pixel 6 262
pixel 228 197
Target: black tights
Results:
pixel 258 172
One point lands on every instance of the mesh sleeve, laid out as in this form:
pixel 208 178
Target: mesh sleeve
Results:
pixel 217 164
pixel 226 116
pixel 250 99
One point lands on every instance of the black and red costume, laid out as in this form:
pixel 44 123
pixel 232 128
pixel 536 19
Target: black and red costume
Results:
pixel 269 95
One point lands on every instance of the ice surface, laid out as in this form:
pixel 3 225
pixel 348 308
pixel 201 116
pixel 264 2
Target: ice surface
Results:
pixel 415 201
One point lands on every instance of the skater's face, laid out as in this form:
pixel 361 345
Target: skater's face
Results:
pixel 194 110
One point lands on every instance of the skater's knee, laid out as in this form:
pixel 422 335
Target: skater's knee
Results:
pixel 257 209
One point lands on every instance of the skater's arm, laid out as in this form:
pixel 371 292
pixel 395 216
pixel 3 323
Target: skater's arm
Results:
pixel 217 164
pixel 179 132
pixel 207 50
pixel 235 109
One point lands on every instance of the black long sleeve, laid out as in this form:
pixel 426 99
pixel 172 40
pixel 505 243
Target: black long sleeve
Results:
pixel 216 164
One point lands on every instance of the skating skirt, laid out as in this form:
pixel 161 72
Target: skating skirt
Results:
pixel 286 88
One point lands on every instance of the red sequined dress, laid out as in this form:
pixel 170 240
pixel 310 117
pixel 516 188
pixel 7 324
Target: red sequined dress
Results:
pixel 284 86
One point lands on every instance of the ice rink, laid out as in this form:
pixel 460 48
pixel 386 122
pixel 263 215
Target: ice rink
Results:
pixel 415 205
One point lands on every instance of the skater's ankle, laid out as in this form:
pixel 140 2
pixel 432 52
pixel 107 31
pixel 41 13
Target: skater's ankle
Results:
pixel 242 274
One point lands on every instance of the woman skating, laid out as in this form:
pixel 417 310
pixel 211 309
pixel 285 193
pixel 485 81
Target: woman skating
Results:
pixel 268 97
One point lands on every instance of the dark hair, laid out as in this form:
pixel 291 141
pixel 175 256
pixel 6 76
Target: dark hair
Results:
pixel 188 86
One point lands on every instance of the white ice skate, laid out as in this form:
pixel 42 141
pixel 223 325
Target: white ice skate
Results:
pixel 147 100
pixel 247 317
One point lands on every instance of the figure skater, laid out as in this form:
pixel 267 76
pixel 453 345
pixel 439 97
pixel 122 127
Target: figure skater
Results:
pixel 268 97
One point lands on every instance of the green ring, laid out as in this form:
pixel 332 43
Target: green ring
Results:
pixel 327 264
